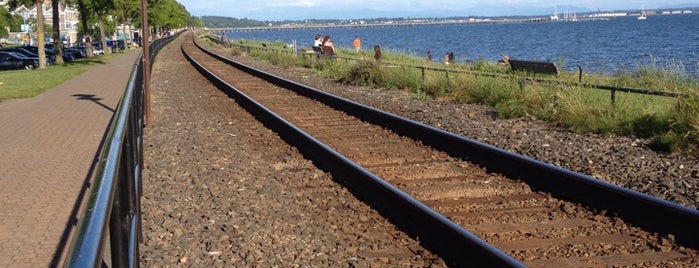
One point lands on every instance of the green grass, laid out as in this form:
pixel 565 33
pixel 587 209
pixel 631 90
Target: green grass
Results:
pixel 671 124
pixel 18 84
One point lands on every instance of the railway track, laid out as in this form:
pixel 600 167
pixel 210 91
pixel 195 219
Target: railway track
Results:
pixel 471 203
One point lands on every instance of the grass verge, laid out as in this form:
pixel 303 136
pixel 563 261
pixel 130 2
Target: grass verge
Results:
pixel 18 84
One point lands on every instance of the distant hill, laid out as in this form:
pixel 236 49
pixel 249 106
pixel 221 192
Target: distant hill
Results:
pixel 227 22
pixel 676 6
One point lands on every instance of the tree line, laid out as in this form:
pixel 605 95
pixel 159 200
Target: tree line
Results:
pixel 98 18
pixel 227 22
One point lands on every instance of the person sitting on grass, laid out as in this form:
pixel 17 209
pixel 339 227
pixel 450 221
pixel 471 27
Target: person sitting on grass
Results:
pixel 328 48
pixel 318 45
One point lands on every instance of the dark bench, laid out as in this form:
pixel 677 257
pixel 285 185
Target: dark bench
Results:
pixel 536 67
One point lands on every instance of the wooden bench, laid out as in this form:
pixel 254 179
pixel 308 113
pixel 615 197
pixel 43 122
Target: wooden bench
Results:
pixel 536 67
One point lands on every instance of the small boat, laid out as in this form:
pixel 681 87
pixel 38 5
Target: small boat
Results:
pixel 643 16
pixel 554 17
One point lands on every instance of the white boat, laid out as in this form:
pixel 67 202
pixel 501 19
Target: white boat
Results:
pixel 643 16
pixel 554 17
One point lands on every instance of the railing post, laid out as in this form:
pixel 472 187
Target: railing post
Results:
pixel 133 162
pixel 118 229
pixel 613 97
pixel 423 73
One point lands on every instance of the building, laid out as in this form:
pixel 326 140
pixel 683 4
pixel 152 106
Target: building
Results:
pixel 69 18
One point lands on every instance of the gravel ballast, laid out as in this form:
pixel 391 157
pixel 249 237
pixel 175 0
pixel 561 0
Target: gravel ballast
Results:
pixel 623 161
pixel 221 190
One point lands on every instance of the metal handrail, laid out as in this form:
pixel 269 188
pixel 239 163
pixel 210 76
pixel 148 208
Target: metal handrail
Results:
pixel 113 206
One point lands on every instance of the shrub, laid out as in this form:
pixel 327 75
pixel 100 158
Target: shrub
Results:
pixel 364 73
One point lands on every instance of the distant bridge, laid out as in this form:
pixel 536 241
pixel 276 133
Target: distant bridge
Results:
pixel 376 25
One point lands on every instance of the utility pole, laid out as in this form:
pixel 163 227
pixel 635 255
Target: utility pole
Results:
pixel 145 42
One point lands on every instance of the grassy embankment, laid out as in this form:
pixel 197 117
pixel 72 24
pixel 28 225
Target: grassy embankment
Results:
pixel 17 84
pixel 671 124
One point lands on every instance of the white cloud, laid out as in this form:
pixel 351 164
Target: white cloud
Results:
pixel 291 3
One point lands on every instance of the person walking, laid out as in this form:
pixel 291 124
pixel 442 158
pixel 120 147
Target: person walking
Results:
pixel 357 44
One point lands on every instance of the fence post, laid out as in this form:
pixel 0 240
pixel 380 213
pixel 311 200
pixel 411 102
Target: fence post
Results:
pixel 579 74
pixel 613 97
pixel 423 73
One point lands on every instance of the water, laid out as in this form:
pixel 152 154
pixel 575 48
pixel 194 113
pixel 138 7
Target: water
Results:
pixel 668 42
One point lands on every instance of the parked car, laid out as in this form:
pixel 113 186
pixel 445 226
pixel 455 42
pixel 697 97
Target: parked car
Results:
pixel 96 50
pixel 75 52
pixel 20 50
pixel 12 60
pixel 31 52
pixel 67 54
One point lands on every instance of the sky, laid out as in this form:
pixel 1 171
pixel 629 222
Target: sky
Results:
pixel 277 10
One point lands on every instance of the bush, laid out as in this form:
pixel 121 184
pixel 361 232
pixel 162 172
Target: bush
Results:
pixel 364 73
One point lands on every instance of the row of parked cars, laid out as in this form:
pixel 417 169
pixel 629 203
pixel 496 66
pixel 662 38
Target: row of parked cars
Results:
pixel 27 57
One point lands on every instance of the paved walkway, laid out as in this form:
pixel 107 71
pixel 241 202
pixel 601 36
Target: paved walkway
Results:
pixel 48 146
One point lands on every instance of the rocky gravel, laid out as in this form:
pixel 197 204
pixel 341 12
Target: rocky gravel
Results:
pixel 221 190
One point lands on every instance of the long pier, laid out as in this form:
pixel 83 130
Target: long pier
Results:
pixel 378 25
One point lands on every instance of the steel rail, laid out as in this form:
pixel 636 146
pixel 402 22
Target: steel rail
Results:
pixel 442 236
pixel 652 213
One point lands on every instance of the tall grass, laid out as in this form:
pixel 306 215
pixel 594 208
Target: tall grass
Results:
pixel 671 124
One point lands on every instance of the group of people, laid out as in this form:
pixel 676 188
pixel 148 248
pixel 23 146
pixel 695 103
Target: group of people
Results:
pixel 323 45
pixel 448 58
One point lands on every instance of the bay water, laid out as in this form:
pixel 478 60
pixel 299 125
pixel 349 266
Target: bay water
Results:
pixel 620 44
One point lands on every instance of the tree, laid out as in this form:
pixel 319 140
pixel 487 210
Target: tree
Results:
pixel 127 12
pixel 39 4
pixel 102 8
pixel 9 21
pixel 165 15
pixel 56 25
pixel 86 30
pixel 40 33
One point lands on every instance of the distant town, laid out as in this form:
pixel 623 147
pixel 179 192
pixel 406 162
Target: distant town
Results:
pixel 227 23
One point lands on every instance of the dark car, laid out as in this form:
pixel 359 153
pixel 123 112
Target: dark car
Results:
pixel 29 51
pixel 20 50
pixel 67 54
pixel 13 60
pixel 35 50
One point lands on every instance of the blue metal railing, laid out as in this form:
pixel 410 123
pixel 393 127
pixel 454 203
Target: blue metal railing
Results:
pixel 113 206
